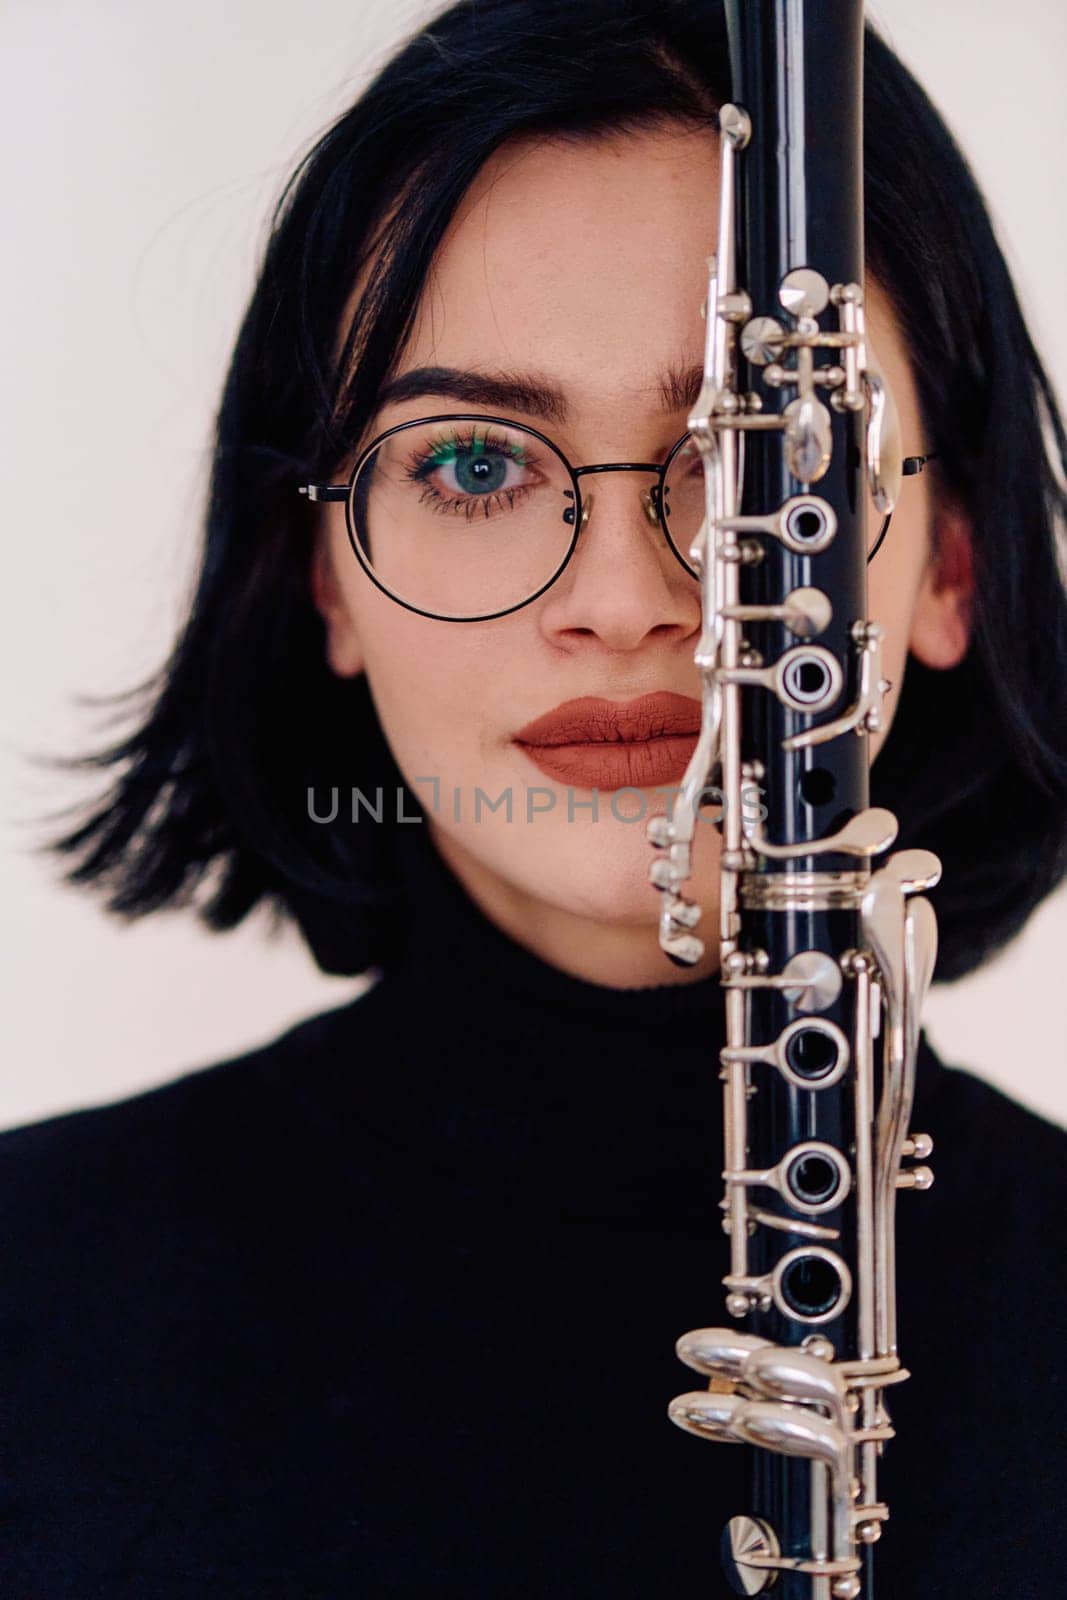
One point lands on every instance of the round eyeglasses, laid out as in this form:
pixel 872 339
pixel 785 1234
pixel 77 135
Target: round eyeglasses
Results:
pixel 465 518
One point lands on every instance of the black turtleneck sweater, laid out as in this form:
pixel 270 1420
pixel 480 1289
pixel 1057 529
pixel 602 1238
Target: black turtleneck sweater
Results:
pixel 388 1308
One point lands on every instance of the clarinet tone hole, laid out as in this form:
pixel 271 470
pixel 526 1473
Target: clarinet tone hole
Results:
pixel 814 1054
pixel 808 680
pixel 817 786
pixel 807 524
pixel 812 1284
pixel 817 1178
pixel 813 1178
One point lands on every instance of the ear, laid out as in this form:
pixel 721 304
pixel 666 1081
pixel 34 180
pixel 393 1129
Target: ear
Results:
pixel 342 640
pixel 941 621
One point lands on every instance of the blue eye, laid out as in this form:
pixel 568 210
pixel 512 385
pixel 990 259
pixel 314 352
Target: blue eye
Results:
pixel 464 474
pixel 480 474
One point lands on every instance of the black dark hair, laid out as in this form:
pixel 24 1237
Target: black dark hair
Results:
pixel 208 805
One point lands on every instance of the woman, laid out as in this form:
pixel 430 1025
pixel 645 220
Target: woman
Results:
pixel 388 1306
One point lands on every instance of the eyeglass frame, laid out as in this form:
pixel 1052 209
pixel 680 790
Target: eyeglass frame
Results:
pixel 652 500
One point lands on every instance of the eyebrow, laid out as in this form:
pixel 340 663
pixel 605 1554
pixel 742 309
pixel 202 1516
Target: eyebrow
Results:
pixel 677 389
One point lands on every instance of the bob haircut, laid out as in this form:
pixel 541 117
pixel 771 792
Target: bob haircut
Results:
pixel 209 796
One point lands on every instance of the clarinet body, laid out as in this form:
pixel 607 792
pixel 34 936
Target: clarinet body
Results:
pixel 826 954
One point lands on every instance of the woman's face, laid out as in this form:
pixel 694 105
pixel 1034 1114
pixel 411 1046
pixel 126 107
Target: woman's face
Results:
pixel 582 269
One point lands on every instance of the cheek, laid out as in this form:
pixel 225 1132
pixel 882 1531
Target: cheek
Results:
pixel 413 684
pixel 434 686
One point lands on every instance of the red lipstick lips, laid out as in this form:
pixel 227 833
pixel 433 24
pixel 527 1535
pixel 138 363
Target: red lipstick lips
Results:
pixel 606 744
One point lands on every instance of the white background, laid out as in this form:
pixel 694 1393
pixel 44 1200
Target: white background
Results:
pixel 144 143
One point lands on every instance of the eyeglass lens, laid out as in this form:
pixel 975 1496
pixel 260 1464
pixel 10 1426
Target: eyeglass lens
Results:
pixel 466 518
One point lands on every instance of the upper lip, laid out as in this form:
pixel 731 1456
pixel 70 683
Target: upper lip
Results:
pixel 591 720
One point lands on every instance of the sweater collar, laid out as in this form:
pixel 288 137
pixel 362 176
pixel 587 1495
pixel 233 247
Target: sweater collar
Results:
pixel 453 948
pixel 519 1082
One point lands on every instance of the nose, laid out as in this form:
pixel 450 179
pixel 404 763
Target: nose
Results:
pixel 623 585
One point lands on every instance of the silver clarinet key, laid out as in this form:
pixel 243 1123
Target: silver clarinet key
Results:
pixel 827 943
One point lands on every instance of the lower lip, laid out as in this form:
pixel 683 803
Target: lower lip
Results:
pixel 643 764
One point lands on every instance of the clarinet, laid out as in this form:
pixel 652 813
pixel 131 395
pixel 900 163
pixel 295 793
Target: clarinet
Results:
pixel 825 955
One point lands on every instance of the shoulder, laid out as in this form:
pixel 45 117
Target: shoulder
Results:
pixel 1000 1174
pixel 984 1135
pixel 170 1157
pixel 162 1261
pixel 147 1236
pixel 979 1251
pixel 982 1318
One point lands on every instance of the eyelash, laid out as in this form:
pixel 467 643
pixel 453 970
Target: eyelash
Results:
pixel 424 462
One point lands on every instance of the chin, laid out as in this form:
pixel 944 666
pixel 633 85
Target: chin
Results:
pixel 599 871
